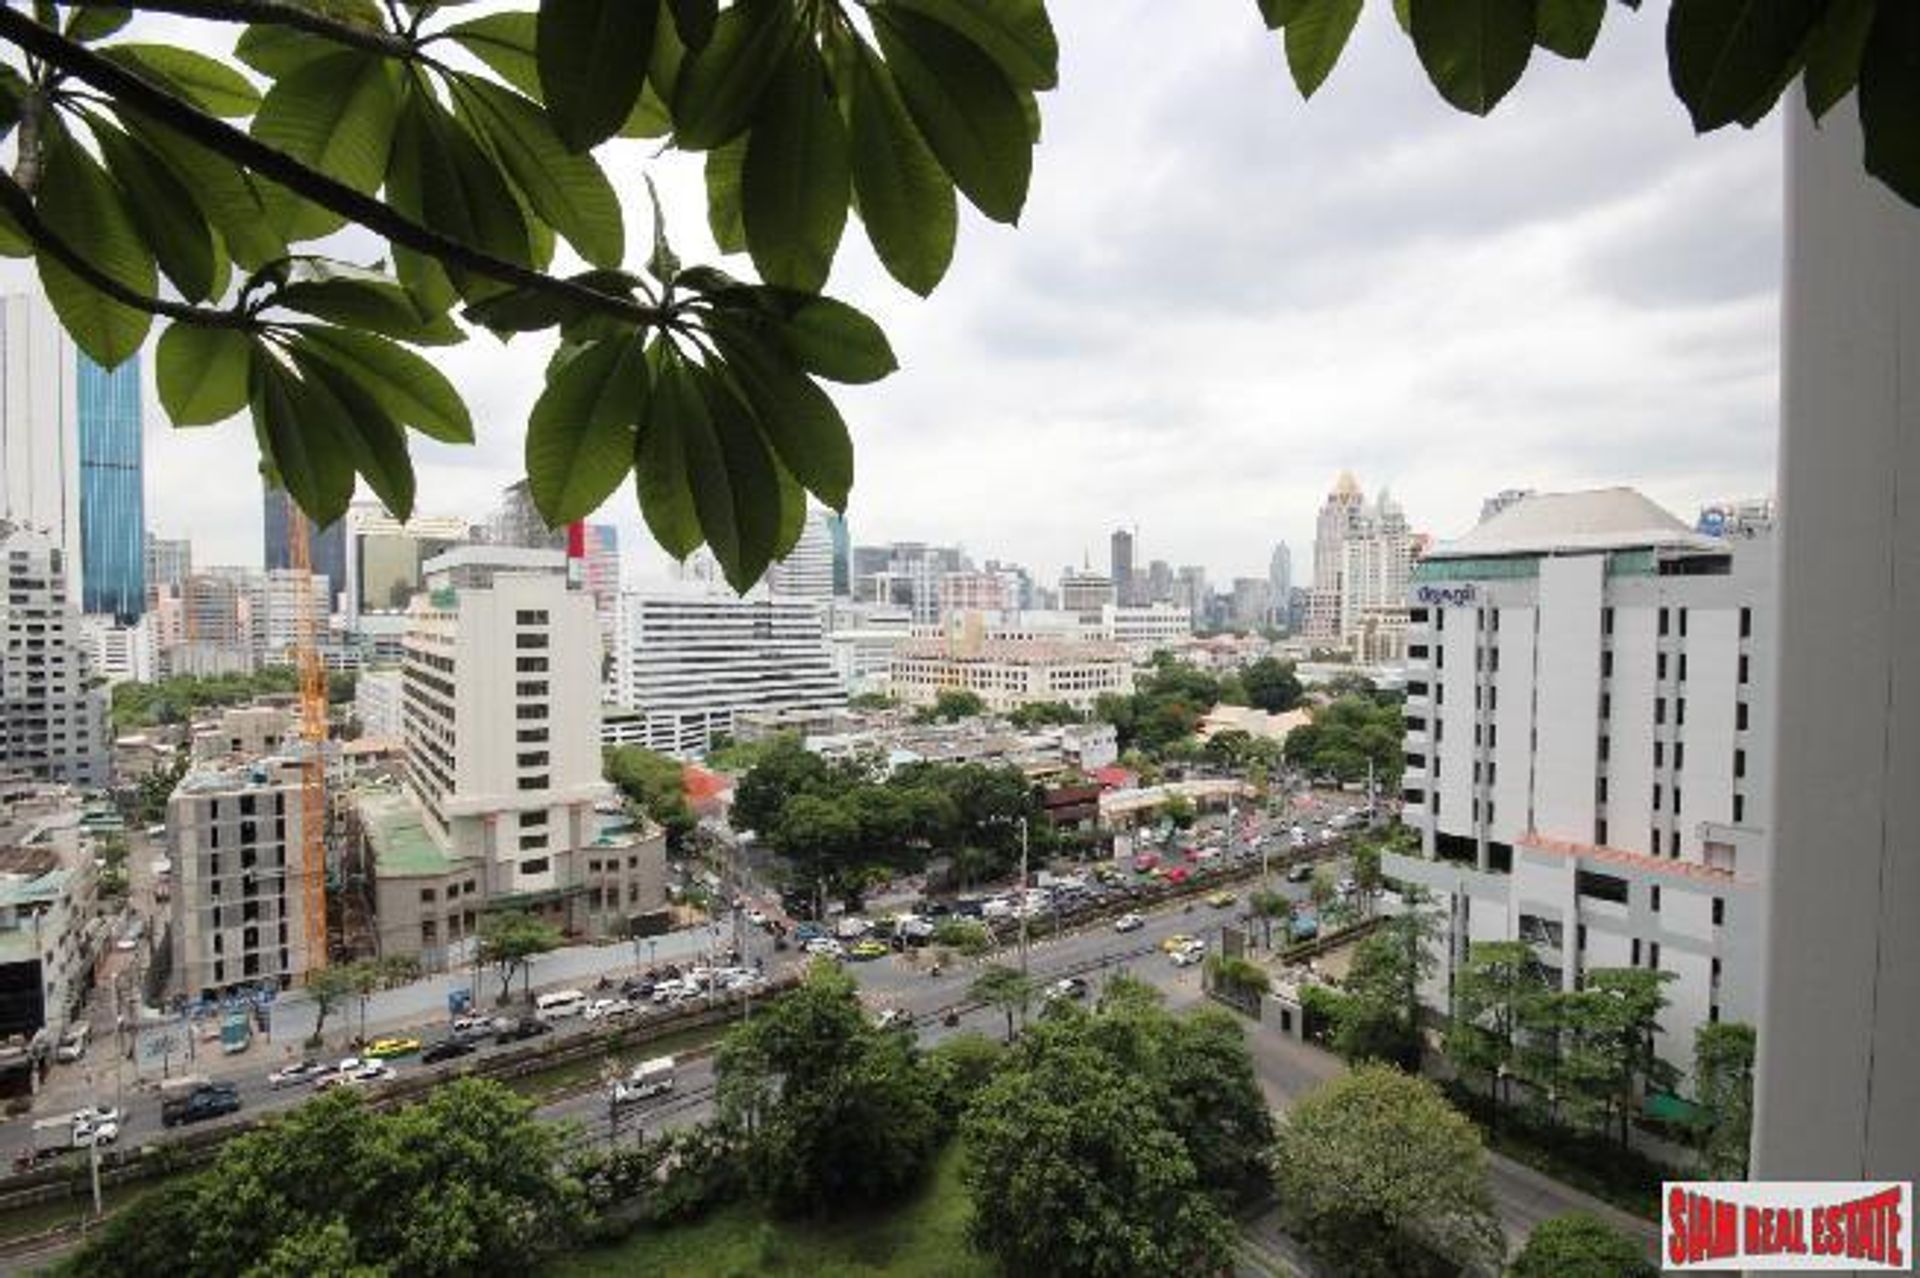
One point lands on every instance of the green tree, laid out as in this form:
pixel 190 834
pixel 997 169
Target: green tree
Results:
pixel 1607 1057
pixel 1348 734
pixel 510 940
pixel 1580 1246
pixel 952 705
pixel 465 1182
pixel 845 1116
pixel 654 784
pixel 1039 714
pixel 1212 1099
pixel 1492 992
pixel 328 987
pixel 1179 809
pixel 1003 987
pixel 1383 1179
pixel 1723 1055
pixel 872 701
pixel 786 769
pixel 1271 685
pixel 1269 906
pixel 959 1067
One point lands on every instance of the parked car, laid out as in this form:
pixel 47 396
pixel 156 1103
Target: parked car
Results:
pixel 445 1050
pixel 757 917
pixel 604 1008
pixel 298 1074
pixel 381 1049
pixel 559 1004
pixel 524 1028
pixel 357 1072
pixel 804 933
pixel 1346 887
pixel 868 950
pixel 210 1100
pixel 1066 987
pixel 1129 922
pixel 96 1131
pixel 1221 900
pixel 1179 940
pixel 825 946
pixel 852 928
pixel 1188 955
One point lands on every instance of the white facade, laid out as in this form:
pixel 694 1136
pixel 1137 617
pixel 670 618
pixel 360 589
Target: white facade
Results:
pixel 1009 673
pixel 120 653
pixel 50 927
pixel 690 659
pixel 1144 630
pixel 1376 566
pixel 39 429
pixel 273 613
pixel 53 721
pixel 377 703
pixel 1586 754
pixel 807 571
pixel 501 720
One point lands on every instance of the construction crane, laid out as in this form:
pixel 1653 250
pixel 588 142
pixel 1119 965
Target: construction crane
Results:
pixel 313 730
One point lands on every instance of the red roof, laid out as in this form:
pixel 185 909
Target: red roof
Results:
pixel 1113 777
pixel 702 786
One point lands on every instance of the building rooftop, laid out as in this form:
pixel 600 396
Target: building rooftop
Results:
pixel 1020 652
pixel 402 848
pixel 1568 523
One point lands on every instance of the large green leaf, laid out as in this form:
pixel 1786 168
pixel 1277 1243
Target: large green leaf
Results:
pixel 1016 34
pixel 1315 37
pixel 660 455
pixel 1834 51
pixel 965 107
pixel 440 175
pixel 360 298
pixel 335 114
pixel 719 87
pixel 412 390
pixel 905 197
pixel 1569 27
pixel 568 191
pixel 593 61
pixel 1890 99
pixel 735 487
pixel 162 209
pixel 214 87
pixel 835 341
pixel 1474 51
pixel 227 196
pixel 276 51
pixel 201 373
pixel 372 441
pixel 580 437
pixel 693 21
pixel 297 434
pixel 506 43
pixel 793 511
pixel 798 417
pixel 1724 56
pixel 96 21
pixel 723 167
pixel 80 204
pixel 795 181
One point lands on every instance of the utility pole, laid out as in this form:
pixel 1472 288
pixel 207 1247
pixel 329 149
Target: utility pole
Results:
pixel 1023 897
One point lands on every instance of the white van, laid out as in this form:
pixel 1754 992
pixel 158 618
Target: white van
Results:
pixel 649 1078
pixel 559 1005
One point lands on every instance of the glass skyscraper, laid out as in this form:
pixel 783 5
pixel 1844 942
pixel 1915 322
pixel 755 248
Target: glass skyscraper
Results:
pixel 113 510
pixel 326 547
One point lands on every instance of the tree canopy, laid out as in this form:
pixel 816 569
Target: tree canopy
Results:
pixel 1345 736
pixel 510 940
pixel 1579 1246
pixel 654 784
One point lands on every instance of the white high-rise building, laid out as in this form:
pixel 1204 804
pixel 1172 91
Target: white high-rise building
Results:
pixel 120 653
pixel 1280 581
pixel 39 429
pixel 273 613
pixel 1376 564
pixel 53 721
pixel 379 705
pixel 691 657
pixel 807 571
pixel 1587 755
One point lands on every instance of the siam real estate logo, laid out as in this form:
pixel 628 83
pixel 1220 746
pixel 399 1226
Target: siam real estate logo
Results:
pixel 1810 1226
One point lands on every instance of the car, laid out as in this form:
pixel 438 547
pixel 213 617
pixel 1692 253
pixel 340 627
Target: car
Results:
pixel 298 1074
pixel 1346 887
pixel 95 1132
pixel 209 1100
pixel 1178 874
pixel 603 1008
pixel 381 1049
pixel 894 1018
pixel 1221 900
pixel 1066 987
pixel 649 1078
pixel 757 917
pixel 445 1050
pixel 524 1028
pixel 825 947
pixel 852 928
pixel 1179 940
pixel 1187 956
pixel 868 950
pixel 73 1044
pixel 1129 922
pixel 806 933
pixel 357 1072
pixel 96 1114
pixel 1300 872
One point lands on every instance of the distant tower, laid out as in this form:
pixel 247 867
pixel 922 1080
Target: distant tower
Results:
pixel 1121 565
pixel 326 547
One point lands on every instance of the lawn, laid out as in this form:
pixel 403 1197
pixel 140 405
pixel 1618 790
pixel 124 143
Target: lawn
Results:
pixel 925 1238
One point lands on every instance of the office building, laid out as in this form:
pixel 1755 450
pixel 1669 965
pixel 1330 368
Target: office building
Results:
pixel 39 434
pixel 1006 673
pixel 1252 603
pixel 50 932
pixel 1159 582
pixel 603 578
pixel 208 629
pixel 385 557
pixel 1588 701
pixel 907 574
pixel 1376 565
pixel 113 510
pixel 169 563
pixel 379 704
pixel 326 547
pixel 518 522
pixel 860 642
pixel 842 555
pixel 692 658
pixel 1738 517
pixel 807 570
pixel 274 600
pixel 1086 592
pixel 1142 631
pixel 1280 583
pixel 1120 567
pixel 53 719
pixel 1338 519
pixel 1190 591
pixel 980 591
pixel 119 652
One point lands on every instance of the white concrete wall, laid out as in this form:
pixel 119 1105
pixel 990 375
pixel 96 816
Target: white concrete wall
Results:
pixel 1569 696
pixel 1512 719
pixel 1630 770
pixel 1713 667
pixel 1455 712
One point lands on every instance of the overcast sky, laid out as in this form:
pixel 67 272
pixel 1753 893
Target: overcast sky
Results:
pixel 1221 296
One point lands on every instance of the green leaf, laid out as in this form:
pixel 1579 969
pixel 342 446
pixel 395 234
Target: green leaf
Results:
pixel 693 21
pixel 660 455
pixel 79 203
pixel 580 438
pixel 1834 51
pixel 372 442
pixel 277 52
pixel 1725 55
pixel 799 418
pixel 793 512
pixel 161 208
pixel 440 175
pixel 723 167
pixel 1890 100
pixel 212 86
pixel 965 108
pixel 835 341
pixel 1016 34
pixel 412 390
pixel 529 310
pixel 1569 27
pixel 1273 13
pixel 359 298
pixel 96 22
pixel 201 373
pixel 296 433
pixel 1474 51
pixel 593 60
pixel 795 181
pixel 735 489
pixel 228 197
pixel 569 192
pixel 1315 36
pixel 1403 15
pixel 905 197
pixel 720 86
pixel 335 114
pixel 506 43
pixel 663 263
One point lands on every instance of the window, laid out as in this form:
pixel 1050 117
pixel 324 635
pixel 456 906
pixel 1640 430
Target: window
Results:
pixel 1602 887
pixel 426 896
pixel 1660 666
pixel 1679 755
pixel 534 640
pixel 530 736
pixel 530 665
pixel 528 819
pixel 1606 663
pixel 1658 793
pixel 1740 717
pixel 1746 623
pixel 1719 911
pixel 1664 621
pixel 429 933
pixel 1636 952
pixel 1683 623
pixel 1653 948
pixel 1606 705
pixel 1418 616
pixel 531 688
pixel 532 842
pixel 1654 842
pixel 1606 747
pixel 1606 621
pixel 1683 667
pixel 1739 808
pixel 1659 709
pixel 532 783
pixel 1599 789
pixel 1679 712
pixel 1659 754
pixel 538 865
pixel 1739 763
pixel 1745 671
pixel 1654 899
pixel 530 617
pixel 1676 800
pixel 1600 832
pixel 534 711
pixel 533 759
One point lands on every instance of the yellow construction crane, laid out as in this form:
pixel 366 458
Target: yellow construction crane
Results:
pixel 313 730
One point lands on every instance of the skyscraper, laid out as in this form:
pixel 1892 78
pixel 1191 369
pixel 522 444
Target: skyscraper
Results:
pixel 807 571
pixel 842 556
pixel 39 444
pixel 326 547
pixel 1280 581
pixel 1338 516
pixel 169 561
pixel 1121 563
pixel 113 511
pixel 53 722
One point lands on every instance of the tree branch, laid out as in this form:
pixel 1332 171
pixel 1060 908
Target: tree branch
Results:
pixel 19 205
pixel 242 148
pixel 279 13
